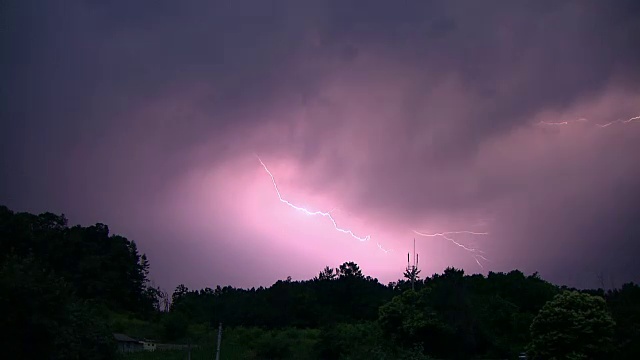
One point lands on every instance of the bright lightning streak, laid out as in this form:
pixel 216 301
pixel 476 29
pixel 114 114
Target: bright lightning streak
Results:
pixel 444 236
pixel 561 122
pixel 476 252
pixel 308 212
pixel 482 257
pixel 383 249
pixel 553 123
pixel 619 121
pixel 475 257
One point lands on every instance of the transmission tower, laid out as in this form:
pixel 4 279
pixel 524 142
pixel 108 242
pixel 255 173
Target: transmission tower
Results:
pixel 413 269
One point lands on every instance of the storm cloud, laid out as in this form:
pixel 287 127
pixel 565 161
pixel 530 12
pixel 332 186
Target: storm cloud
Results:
pixel 426 115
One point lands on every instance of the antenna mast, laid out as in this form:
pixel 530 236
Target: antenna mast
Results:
pixel 413 269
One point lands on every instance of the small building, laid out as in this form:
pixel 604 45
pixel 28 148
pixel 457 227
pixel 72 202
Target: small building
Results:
pixel 148 345
pixel 127 344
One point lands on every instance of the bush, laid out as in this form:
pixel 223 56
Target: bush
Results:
pixel 351 341
pixel 174 326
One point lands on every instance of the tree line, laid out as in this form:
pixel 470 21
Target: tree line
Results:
pixel 62 287
pixel 59 285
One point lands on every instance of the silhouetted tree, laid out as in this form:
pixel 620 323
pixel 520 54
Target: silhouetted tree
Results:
pixel 350 269
pixel 624 304
pixel 59 307
pixel 98 266
pixel 572 326
pixel 179 294
pixel 412 274
pixel 327 274
pixel 44 320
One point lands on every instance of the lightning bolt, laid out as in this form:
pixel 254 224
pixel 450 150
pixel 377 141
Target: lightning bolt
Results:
pixel 314 213
pixel 476 253
pixel 561 123
pixel 553 123
pixel 619 121
pixel 444 236
pixel 383 249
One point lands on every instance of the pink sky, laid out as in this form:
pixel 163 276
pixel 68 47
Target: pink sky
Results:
pixel 422 116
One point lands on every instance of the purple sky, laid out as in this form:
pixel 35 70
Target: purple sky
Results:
pixel 425 115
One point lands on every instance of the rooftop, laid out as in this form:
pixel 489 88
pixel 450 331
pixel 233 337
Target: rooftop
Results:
pixel 123 337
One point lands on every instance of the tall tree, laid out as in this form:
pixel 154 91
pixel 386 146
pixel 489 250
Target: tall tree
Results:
pixel 625 308
pixel 105 268
pixel 572 326
pixel 179 294
pixel 350 270
pixel 327 274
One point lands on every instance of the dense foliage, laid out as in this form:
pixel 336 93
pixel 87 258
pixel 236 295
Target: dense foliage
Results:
pixel 572 326
pixel 66 289
pixel 58 284
pixel 348 297
pixel 102 267
pixel 43 318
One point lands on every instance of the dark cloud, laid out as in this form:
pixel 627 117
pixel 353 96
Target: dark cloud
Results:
pixel 416 114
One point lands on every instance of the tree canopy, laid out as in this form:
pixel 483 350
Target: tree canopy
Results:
pixel 98 265
pixel 65 289
pixel 572 325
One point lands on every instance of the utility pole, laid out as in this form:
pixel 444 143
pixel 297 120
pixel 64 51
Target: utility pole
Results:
pixel 219 340
pixel 413 269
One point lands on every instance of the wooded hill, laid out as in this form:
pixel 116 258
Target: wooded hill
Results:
pixel 66 289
